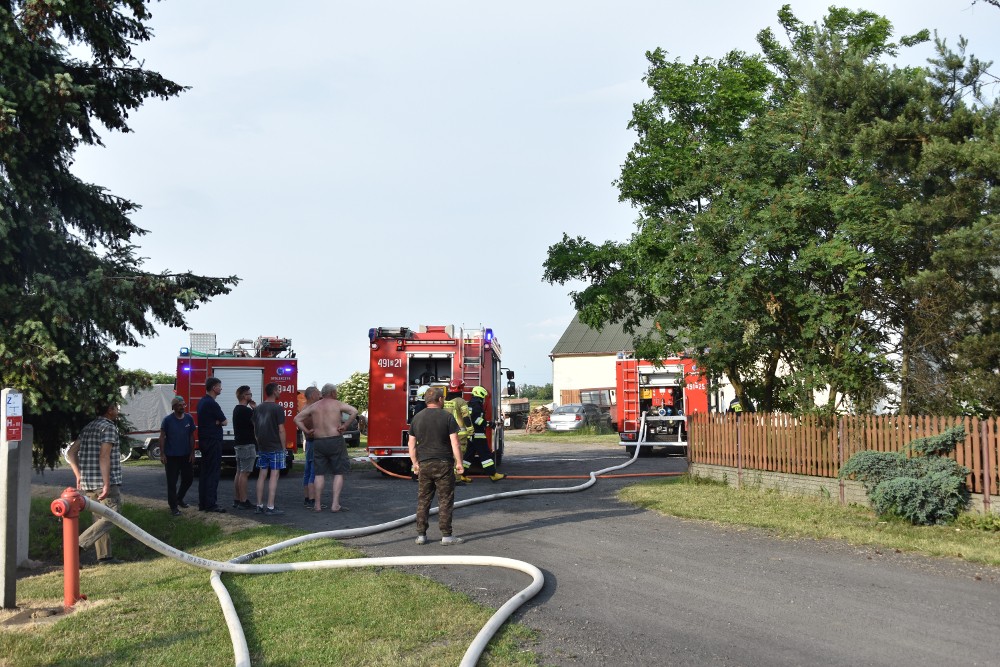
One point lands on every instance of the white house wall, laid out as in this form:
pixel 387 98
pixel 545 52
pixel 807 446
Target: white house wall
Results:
pixel 583 372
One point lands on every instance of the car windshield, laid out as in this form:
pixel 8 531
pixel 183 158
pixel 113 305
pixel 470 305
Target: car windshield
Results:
pixel 567 410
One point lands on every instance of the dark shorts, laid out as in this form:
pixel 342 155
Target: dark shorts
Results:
pixel 271 460
pixel 330 456
pixel 245 456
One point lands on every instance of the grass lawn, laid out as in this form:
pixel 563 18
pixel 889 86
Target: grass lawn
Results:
pixel 587 435
pixel 972 538
pixel 156 611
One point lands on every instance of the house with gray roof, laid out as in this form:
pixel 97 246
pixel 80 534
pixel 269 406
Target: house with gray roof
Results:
pixel 583 366
pixel 583 363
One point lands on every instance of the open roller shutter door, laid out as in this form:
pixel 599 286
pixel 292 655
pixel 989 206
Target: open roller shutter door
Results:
pixel 232 378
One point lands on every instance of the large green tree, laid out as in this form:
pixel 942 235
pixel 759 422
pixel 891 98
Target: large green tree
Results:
pixel 72 289
pixel 793 208
pixel 354 391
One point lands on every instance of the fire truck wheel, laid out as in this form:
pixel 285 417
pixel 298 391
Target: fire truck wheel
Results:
pixel 630 450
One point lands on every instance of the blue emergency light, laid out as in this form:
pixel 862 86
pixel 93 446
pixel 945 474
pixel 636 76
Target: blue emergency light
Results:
pixel 185 351
pixel 488 335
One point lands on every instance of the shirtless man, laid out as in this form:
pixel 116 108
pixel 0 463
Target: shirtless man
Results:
pixel 324 423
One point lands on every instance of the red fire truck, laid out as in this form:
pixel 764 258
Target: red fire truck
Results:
pixel 654 401
pixel 253 362
pixel 404 359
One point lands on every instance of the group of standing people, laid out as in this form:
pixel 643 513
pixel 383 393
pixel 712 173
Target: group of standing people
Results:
pixel 439 430
pixel 259 437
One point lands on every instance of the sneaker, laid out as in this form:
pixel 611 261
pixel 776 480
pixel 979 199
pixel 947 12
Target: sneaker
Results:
pixel 181 503
pixel 450 539
pixel 307 503
pixel 236 504
pixel 175 512
pixel 497 476
pixel 245 505
pixel 259 510
pixel 273 511
pixel 421 539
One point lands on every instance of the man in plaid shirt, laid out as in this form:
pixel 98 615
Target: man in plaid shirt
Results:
pixel 95 460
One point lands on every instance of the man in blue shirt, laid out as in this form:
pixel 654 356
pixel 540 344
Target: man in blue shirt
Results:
pixel 177 452
pixel 211 419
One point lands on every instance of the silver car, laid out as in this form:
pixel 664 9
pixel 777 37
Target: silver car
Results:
pixel 574 416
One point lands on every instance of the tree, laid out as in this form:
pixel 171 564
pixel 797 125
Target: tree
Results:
pixel 147 378
pixel 535 392
pixel 354 391
pixel 789 204
pixel 71 286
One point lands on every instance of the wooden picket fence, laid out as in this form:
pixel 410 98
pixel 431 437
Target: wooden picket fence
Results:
pixel 819 445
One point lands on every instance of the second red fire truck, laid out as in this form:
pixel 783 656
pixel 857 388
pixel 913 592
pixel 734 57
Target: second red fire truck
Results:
pixel 654 401
pixel 403 359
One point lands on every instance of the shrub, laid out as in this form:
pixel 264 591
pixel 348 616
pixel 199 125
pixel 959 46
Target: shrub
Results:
pixel 925 489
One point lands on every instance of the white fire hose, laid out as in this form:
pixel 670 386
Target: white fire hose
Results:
pixel 240 564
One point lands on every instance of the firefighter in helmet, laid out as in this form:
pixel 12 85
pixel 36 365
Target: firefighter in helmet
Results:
pixel 418 404
pixel 459 409
pixel 479 448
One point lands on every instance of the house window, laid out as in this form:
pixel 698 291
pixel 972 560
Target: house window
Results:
pixel 599 397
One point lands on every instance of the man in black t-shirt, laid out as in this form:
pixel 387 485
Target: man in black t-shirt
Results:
pixel 245 446
pixel 435 455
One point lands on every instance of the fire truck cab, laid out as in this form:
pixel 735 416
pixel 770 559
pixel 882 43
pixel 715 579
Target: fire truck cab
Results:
pixel 403 359
pixel 253 362
pixel 655 401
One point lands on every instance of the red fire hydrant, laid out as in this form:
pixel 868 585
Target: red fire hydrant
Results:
pixel 68 507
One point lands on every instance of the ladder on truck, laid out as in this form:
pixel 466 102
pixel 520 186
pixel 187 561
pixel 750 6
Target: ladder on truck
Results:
pixel 472 358
pixel 630 395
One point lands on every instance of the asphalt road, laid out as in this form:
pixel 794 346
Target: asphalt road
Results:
pixel 630 587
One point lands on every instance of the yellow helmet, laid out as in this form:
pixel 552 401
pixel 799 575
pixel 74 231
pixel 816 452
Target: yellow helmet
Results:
pixel 480 392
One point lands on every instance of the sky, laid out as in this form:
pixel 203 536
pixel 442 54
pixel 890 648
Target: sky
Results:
pixel 392 164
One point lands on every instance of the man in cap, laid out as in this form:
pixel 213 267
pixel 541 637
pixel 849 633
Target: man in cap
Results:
pixel 177 452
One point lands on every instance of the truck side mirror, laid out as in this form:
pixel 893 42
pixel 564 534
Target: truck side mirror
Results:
pixel 511 388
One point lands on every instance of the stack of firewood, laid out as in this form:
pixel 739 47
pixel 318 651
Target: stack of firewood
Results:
pixel 537 420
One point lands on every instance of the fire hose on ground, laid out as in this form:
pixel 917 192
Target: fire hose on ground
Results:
pixel 71 503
